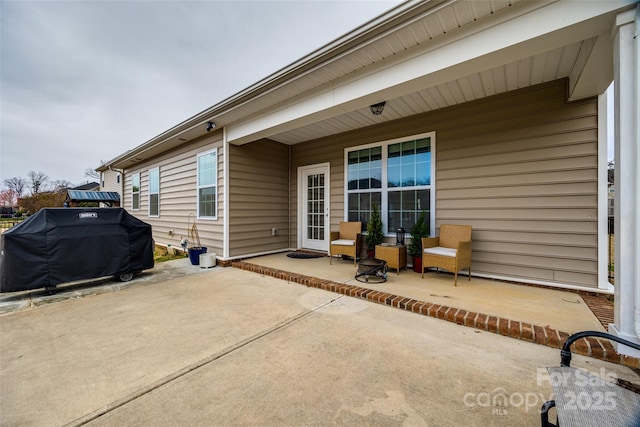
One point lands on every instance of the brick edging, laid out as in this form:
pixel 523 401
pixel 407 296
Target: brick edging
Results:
pixel 601 307
pixel 597 348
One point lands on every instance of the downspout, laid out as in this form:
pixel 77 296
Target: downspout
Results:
pixel 226 251
pixel 289 210
pixel 603 247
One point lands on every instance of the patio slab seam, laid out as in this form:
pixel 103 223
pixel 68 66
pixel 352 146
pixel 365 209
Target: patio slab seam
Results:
pixel 597 348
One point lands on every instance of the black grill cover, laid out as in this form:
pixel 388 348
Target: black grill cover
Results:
pixel 59 245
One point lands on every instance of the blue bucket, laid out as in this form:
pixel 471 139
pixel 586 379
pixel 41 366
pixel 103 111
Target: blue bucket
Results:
pixel 194 254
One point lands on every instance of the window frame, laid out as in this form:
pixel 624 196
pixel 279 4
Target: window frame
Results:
pixel 154 171
pixel 385 189
pixel 133 192
pixel 214 185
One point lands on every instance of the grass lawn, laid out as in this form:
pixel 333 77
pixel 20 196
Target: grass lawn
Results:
pixel 162 255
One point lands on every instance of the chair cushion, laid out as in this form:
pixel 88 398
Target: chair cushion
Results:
pixel 439 250
pixel 343 242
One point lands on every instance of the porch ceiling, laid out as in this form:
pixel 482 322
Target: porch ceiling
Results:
pixel 579 49
pixel 555 64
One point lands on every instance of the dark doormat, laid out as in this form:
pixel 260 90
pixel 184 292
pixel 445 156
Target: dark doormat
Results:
pixel 303 255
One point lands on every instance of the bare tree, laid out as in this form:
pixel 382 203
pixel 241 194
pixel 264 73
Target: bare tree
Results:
pixel 16 184
pixel 90 173
pixel 8 198
pixel 38 181
pixel 61 185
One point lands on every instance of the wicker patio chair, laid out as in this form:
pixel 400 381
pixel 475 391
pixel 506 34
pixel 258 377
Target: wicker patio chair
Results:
pixel 451 251
pixel 347 241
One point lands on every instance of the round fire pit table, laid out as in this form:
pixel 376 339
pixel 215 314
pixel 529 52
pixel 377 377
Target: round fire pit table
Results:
pixel 372 270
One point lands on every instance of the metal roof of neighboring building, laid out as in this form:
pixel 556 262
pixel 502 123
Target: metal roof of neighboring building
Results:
pixel 93 196
pixel 87 186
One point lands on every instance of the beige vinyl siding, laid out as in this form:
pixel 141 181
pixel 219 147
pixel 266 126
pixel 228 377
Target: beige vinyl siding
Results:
pixel 178 195
pixel 520 167
pixel 258 198
pixel 144 193
pixel 525 176
pixel 109 182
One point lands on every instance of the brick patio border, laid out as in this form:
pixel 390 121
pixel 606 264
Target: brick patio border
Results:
pixel 597 348
pixel 600 306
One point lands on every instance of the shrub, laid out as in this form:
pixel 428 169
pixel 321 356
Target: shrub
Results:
pixel 419 230
pixel 375 233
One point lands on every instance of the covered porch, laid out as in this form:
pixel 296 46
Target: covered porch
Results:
pixel 524 166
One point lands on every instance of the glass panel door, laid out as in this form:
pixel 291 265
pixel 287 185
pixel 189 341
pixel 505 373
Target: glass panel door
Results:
pixel 315 208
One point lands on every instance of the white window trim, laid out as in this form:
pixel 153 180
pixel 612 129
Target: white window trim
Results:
pixel 156 169
pixel 198 187
pixel 385 189
pixel 133 208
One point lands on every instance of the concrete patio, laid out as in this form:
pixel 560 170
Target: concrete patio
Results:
pixel 561 310
pixel 541 315
pixel 182 345
pixel 537 314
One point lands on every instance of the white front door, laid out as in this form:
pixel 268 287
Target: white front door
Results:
pixel 314 207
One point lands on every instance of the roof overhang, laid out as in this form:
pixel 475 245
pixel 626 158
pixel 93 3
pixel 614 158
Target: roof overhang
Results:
pixel 419 56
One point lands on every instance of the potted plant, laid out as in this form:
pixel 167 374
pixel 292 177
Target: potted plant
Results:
pixel 375 234
pixel 419 230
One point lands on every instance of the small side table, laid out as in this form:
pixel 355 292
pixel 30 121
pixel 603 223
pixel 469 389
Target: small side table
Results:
pixel 396 256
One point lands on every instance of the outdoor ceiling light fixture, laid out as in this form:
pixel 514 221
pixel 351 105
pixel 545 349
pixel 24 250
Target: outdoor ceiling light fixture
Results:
pixel 210 125
pixel 376 109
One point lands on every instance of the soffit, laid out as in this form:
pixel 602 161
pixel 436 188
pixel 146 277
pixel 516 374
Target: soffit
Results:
pixel 552 65
pixel 581 52
pixel 423 27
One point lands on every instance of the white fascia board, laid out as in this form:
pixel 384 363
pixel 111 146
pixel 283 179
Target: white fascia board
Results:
pixel 536 31
pixel 317 107
pixel 597 73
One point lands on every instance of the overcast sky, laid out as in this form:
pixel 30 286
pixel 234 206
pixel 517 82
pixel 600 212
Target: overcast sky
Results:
pixel 84 81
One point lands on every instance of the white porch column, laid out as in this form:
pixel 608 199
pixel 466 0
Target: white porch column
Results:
pixel 627 181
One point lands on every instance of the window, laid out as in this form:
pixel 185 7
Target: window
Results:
pixel 364 182
pixel 395 175
pixel 135 191
pixel 154 192
pixel 207 185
